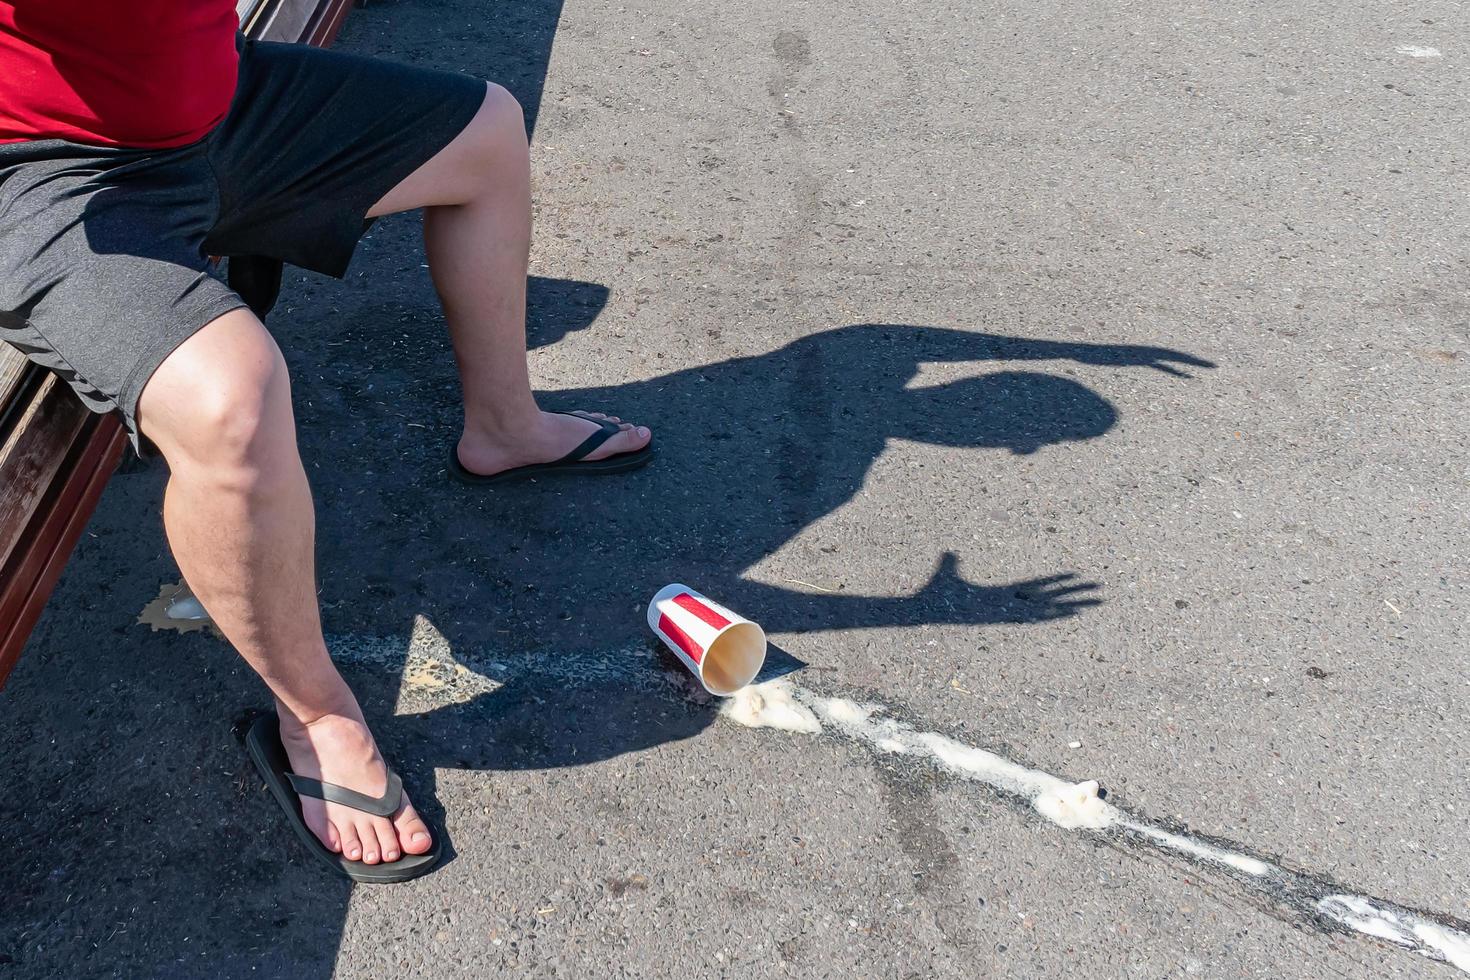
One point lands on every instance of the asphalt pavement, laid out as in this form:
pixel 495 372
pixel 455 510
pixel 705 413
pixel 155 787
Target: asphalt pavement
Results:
pixel 1081 384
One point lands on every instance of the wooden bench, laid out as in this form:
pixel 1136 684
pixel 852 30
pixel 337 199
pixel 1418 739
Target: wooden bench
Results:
pixel 55 455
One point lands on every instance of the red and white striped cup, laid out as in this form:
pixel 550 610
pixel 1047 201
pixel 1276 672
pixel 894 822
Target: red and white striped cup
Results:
pixel 723 648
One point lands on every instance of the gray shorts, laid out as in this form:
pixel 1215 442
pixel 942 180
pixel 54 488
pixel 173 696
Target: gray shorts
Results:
pixel 104 266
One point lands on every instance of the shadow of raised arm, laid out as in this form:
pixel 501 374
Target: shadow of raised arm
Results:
pixel 947 598
pixel 947 344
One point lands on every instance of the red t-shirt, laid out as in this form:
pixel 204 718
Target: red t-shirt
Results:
pixel 145 73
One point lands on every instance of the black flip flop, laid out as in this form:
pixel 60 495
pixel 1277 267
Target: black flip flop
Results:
pixel 263 742
pixel 573 463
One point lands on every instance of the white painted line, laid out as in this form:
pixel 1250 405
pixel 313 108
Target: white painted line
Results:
pixel 1414 51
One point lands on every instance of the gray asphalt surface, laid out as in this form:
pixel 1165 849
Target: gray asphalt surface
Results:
pixel 921 300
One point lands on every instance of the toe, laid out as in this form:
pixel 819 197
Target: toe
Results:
pixel 387 839
pixel 333 839
pixel 630 439
pixel 372 851
pixel 413 833
pixel 351 845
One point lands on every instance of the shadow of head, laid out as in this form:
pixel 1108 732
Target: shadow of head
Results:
pixel 1021 411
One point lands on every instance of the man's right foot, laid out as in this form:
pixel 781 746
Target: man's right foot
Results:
pixel 552 436
pixel 338 748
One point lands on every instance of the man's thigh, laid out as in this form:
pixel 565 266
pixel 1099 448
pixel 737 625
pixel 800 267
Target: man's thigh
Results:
pixel 315 138
pixel 101 269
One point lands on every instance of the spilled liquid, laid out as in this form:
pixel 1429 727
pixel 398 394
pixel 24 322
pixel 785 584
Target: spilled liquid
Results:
pixel 1080 807
pixel 175 609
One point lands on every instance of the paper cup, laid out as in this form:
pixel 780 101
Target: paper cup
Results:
pixel 722 648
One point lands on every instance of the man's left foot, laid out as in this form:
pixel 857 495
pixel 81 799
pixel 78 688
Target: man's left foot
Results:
pixel 339 749
pixel 546 440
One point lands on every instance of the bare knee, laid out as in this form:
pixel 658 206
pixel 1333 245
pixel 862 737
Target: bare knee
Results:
pixel 501 119
pixel 220 405
pixel 495 140
pixel 245 410
pixel 489 156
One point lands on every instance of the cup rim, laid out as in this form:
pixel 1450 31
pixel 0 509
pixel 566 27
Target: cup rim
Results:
pixel 745 625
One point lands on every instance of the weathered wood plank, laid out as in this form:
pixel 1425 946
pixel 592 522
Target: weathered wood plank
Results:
pixel 27 579
pixel 33 455
pixel 16 375
pixel 13 367
pixel 324 25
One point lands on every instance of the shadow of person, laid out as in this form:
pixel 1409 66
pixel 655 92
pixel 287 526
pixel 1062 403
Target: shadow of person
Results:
pixel 765 446
pixel 756 449
pixel 753 451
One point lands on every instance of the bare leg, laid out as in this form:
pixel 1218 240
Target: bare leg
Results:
pixel 477 232
pixel 239 517
pixel 238 509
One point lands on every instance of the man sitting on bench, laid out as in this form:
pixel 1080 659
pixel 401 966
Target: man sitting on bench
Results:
pixel 138 138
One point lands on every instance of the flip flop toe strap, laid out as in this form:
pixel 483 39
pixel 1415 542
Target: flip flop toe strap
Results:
pixel 606 430
pixel 379 806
